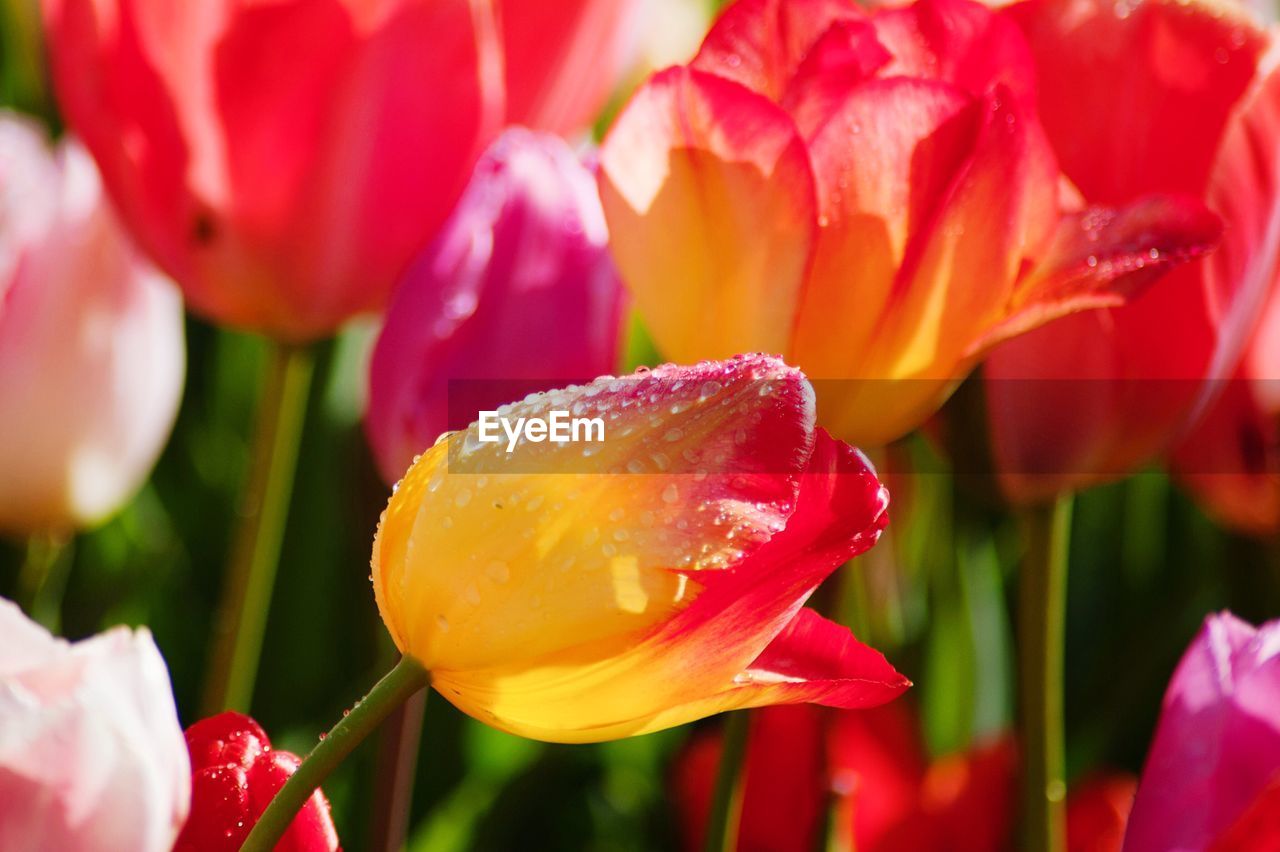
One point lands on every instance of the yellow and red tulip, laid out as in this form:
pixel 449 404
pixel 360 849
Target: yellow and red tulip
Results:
pixel 871 196
pixel 581 592
pixel 1160 96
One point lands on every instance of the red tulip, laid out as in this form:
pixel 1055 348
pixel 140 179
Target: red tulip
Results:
pixel 517 293
pixel 1098 812
pixel 1212 777
pixel 1160 96
pixel 1231 461
pixel 887 796
pixel 284 161
pixel 235 774
pixel 871 196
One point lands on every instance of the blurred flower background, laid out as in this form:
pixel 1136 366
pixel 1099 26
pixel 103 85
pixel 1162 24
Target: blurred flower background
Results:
pixel 369 209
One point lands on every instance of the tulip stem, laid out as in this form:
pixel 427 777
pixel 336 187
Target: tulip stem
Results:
pixel 397 687
pixel 43 579
pixel 726 801
pixel 1042 620
pixel 264 510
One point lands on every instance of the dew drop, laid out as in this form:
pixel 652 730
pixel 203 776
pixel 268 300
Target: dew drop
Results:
pixel 472 594
pixel 635 466
pixel 609 550
pixel 670 494
pixel 463 498
pixel 498 572
pixel 442 623
pixel 709 389
pixel 673 435
pixel 621 535
pixel 435 482
pixel 535 504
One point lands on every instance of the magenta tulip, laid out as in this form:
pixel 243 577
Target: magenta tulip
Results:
pixel 1215 762
pixel 284 161
pixel 518 290
pixel 92 757
pixel 91 342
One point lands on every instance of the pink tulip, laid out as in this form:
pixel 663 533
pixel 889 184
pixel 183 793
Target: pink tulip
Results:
pixel 91 342
pixel 1213 771
pixel 283 161
pixel 92 757
pixel 518 289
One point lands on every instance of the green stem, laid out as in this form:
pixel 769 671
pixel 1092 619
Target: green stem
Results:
pixel 1042 618
pixel 395 769
pixel 726 801
pixel 43 578
pixel 393 690
pixel 251 572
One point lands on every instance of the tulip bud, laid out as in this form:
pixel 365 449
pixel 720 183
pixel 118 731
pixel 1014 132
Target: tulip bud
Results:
pixel 284 161
pixel 582 590
pixel 91 342
pixel 517 286
pixel 1213 772
pixel 91 752
pixel 235 775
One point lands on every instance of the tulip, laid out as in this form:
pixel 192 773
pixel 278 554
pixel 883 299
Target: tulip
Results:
pixel 283 162
pixel 584 591
pixel 1096 395
pixel 517 290
pixel 91 342
pixel 1212 776
pixel 870 768
pixel 1230 461
pixel 1098 812
pixel 235 774
pixel 870 195
pixel 91 752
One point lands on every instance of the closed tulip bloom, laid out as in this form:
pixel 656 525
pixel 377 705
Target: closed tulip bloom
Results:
pixel 870 195
pixel 235 774
pixel 91 342
pixel 284 161
pixel 1161 96
pixel 91 752
pixel 1212 776
pixel 588 590
pixel 517 288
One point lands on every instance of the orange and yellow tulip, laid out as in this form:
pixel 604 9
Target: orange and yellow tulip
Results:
pixel 579 592
pixel 869 195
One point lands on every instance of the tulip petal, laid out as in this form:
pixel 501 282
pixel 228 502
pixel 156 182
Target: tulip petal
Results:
pixel 1258 828
pixel 1185 65
pixel 1217 744
pixel 762 43
pixel 931 222
pixel 818 661
pixel 959 42
pixel 1102 258
pixel 709 200
pixel 561 64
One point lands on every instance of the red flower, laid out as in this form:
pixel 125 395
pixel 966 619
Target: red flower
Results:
pixel 283 161
pixel 1161 96
pixel 235 774
pixel 888 797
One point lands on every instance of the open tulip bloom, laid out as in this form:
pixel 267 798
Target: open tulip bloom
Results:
pixel 871 195
pixel 585 591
